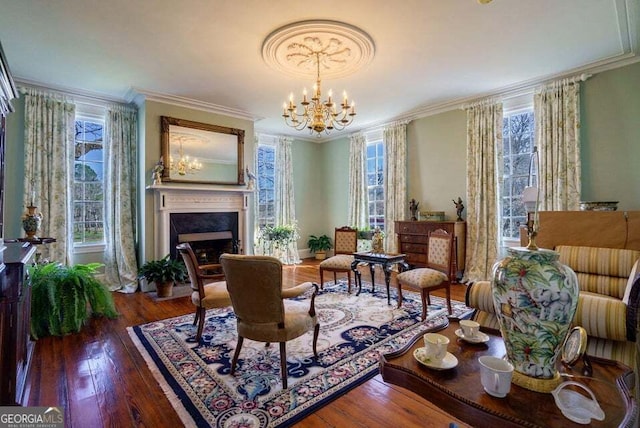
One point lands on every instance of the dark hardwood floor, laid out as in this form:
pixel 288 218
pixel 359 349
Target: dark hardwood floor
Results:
pixel 100 380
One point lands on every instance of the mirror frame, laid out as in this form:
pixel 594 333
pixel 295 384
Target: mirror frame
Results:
pixel 166 122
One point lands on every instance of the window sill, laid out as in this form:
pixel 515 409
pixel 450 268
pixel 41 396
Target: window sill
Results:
pixel 89 248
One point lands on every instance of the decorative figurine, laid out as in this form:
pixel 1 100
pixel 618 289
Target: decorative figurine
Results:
pixel 156 175
pixel 251 183
pixel 377 242
pixel 413 207
pixel 459 208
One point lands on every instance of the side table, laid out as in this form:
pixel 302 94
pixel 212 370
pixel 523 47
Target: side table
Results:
pixel 387 261
pixel 34 241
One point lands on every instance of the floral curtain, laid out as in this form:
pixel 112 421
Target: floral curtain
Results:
pixel 285 200
pixel 395 180
pixel 48 158
pixel 557 113
pixel 121 129
pixel 484 174
pixel 358 198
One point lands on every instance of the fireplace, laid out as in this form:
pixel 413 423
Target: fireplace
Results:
pixel 215 216
pixel 209 234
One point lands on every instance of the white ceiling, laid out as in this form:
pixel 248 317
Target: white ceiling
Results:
pixel 430 55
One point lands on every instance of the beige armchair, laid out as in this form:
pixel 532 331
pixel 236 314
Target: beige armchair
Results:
pixel 345 244
pixel 208 291
pixel 261 306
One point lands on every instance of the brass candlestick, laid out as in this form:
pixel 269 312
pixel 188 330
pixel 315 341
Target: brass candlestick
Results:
pixel 531 233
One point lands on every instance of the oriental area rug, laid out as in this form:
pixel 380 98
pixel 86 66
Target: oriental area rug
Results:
pixel 354 332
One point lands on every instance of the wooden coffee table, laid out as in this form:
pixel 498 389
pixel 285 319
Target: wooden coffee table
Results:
pixel 459 392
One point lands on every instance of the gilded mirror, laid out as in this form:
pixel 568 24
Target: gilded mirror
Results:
pixel 195 152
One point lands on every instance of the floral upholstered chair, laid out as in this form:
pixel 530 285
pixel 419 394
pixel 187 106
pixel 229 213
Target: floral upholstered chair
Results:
pixel 435 275
pixel 345 244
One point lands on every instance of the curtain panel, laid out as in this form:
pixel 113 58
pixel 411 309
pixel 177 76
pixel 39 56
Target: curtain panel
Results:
pixel 395 181
pixel 484 177
pixel 121 130
pixel 358 197
pixel 557 113
pixel 285 198
pixel 48 158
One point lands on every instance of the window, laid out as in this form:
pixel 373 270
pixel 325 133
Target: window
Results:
pixel 518 142
pixel 88 182
pixel 375 182
pixel 265 172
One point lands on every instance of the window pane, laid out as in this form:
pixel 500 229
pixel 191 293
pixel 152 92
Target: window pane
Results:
pixel 518 139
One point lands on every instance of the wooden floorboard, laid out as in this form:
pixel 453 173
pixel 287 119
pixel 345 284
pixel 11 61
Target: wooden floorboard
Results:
pixel 100 379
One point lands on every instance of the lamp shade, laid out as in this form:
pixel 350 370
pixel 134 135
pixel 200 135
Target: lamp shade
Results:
pixel 530 198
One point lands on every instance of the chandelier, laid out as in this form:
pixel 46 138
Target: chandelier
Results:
pixel 318 115
pixel 306 48
pixel 184 165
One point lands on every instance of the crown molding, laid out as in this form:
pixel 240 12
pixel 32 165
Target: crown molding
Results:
pixel 82 96
pixel 139 95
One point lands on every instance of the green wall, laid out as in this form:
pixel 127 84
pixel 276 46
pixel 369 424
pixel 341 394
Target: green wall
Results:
pixel 14 172
pixel 610 150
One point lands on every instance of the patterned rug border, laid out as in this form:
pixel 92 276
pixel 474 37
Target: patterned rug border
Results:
pixel 185 406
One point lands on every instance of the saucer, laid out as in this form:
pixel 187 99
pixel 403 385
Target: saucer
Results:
pixel 479 338
pixel 448 362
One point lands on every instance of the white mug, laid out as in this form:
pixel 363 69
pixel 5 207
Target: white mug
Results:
pixel 469 328
pixel 495 375
pixel 435 347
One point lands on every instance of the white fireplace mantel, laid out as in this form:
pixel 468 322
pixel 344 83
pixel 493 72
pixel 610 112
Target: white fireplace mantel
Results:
pixel 197 198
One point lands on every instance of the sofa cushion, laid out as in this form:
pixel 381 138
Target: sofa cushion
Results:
pixel 602 316
pixel 600 270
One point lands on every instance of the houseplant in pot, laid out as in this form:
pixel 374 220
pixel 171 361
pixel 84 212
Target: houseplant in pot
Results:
pixel 319 245
pixel 64 297
pixel 164 273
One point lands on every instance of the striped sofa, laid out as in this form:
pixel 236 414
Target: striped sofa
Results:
pixel 609 282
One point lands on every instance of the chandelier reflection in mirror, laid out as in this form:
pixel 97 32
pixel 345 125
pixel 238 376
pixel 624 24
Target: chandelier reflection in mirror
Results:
pixel 184 164
pixel 318 115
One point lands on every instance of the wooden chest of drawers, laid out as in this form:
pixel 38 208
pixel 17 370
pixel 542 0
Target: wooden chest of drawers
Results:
pixel 413 240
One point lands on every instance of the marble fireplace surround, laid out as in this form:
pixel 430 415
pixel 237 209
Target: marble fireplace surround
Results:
pixel 192 198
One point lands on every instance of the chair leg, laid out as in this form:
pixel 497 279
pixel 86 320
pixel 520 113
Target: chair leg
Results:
pixel 449 300
pixel 399 295
pixel 321 279
pixel 283 363
pixel 201 317
pixel 335 278
pixel 316 330
pixel 349 282
pixel 425 295
pixel 195 318
pixel 234 361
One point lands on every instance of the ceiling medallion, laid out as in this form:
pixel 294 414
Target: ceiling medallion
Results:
pixel 305 49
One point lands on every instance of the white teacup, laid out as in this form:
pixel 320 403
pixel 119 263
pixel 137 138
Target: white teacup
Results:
pixel 470 328
pixel 495 375
pixel 435 347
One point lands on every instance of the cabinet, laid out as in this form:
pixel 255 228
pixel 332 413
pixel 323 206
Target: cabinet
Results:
pixel 16 346
pixel 413 240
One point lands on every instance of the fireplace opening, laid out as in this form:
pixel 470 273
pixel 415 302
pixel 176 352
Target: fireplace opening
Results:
pixel 209 246
pixel 209 234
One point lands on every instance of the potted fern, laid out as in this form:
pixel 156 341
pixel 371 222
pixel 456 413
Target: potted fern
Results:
pixel 319 245
pixel 164 273
pixel 63 298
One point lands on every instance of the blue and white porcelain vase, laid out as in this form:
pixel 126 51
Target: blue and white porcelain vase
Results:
pixel 535 297
pixel 31 222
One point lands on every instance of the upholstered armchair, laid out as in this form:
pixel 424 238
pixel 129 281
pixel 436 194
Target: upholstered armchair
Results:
pixel 263 311
pixel 609 281
pixel 208 291
pixel 436 273
pixel 345 244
